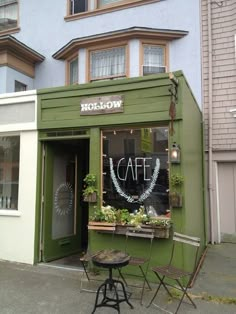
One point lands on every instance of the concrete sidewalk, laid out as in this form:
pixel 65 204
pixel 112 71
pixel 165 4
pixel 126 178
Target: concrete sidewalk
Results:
pixel 46 290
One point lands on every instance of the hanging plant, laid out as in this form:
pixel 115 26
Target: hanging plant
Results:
pixel 176 181
pixel 90 190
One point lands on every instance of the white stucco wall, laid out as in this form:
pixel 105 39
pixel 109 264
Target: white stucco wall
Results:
pixel 17 227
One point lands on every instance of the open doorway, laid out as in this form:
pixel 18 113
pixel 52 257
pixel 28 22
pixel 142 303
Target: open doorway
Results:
pixel 64 214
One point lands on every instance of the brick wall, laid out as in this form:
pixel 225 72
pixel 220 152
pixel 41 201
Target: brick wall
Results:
pixel 223 73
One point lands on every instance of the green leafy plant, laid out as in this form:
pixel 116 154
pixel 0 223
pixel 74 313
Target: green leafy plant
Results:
pixel 176 180
pixel 123 216
pixel 90 184
pixel 104 214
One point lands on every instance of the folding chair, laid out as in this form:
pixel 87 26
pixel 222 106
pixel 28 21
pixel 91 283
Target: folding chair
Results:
pixel 86 261
pixel 176 274
pixel 141 262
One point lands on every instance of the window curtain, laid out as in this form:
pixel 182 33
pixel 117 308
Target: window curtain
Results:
pixel 107 63
pixel 8 12
pixel 154 56
pixel 105 2
pixel 74 71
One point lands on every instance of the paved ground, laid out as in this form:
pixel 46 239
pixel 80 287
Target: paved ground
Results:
pixel 40 289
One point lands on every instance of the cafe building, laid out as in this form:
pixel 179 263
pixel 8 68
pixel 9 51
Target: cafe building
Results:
pixel 136 137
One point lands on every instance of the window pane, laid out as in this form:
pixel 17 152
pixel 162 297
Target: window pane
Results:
pixel 9 171
pixel 8 14
pixel 154 59
pixel 154 55
pixel 107 63
pixel 74 71
pixel 19 87
pixel 78 6
pixel 136 169
pixel 105 2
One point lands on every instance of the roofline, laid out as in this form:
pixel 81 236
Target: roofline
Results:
pixel 10 43
pixel 124 34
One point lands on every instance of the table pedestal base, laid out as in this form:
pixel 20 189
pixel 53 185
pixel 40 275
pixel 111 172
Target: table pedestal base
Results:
pixel 108 286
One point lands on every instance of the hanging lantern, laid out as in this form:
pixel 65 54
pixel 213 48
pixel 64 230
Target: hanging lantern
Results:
pixel 175 154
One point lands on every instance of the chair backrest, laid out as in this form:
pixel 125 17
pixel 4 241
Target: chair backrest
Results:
pixel 140 232
pixel 145 233
pixel 186 240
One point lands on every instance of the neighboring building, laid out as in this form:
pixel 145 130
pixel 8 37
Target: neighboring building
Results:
pixel 18 160
pixel 219 107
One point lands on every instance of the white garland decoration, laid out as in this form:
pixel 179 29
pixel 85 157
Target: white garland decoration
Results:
pixel 145 194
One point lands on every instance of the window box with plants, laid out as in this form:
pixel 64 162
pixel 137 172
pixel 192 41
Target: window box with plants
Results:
pixel 90 190
pixel 176 198
pixel 103 219
pixel 110 219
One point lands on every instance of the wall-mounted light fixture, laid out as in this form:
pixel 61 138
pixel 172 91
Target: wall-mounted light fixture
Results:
pixel 175 154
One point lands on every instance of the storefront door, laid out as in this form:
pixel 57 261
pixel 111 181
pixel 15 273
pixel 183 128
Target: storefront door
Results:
pixel 64 215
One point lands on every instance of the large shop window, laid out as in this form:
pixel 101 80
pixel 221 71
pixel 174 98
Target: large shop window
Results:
pixel 107 63
pixel 9 171
pixel 8 14
pixel 135 169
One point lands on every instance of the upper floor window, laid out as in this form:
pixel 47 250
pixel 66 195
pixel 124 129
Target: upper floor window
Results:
pixel 102 3
pixel 73 71
pixel 9 171
pixel 20 87
pixel 154 60
pixel 108 63
pixel 90 7
pixel 8 14
pixel 78 6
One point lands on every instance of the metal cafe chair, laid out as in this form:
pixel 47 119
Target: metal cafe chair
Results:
pixel 174 274
pixel 86 261
pixel 137 261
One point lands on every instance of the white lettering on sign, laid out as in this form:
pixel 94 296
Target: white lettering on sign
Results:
pixel 132 167
pixel 148 190
pixel 101 105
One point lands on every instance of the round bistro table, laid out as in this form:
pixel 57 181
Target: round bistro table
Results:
pixel 111 259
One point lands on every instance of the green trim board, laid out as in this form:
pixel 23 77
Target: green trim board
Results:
pixel 146 103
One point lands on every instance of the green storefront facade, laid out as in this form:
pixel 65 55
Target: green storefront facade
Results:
pixel 122 131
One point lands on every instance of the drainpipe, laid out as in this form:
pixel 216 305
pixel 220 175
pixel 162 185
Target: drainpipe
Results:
pixel 210 162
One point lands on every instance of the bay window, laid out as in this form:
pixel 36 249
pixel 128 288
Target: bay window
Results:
pixel 9 171
pixel 108 63
pixel 135 169
pixel 8 14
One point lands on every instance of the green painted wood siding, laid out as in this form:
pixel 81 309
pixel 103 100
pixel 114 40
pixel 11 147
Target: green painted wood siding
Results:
pixel 146 99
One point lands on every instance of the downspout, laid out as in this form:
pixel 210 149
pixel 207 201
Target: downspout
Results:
pixel 210 162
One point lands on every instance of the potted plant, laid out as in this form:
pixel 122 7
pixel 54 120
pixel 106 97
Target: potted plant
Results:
pixel 90 190
pixel 161 226
pixel 103 218
pixel 176 181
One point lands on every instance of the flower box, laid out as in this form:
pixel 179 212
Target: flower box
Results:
pixel 101 226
